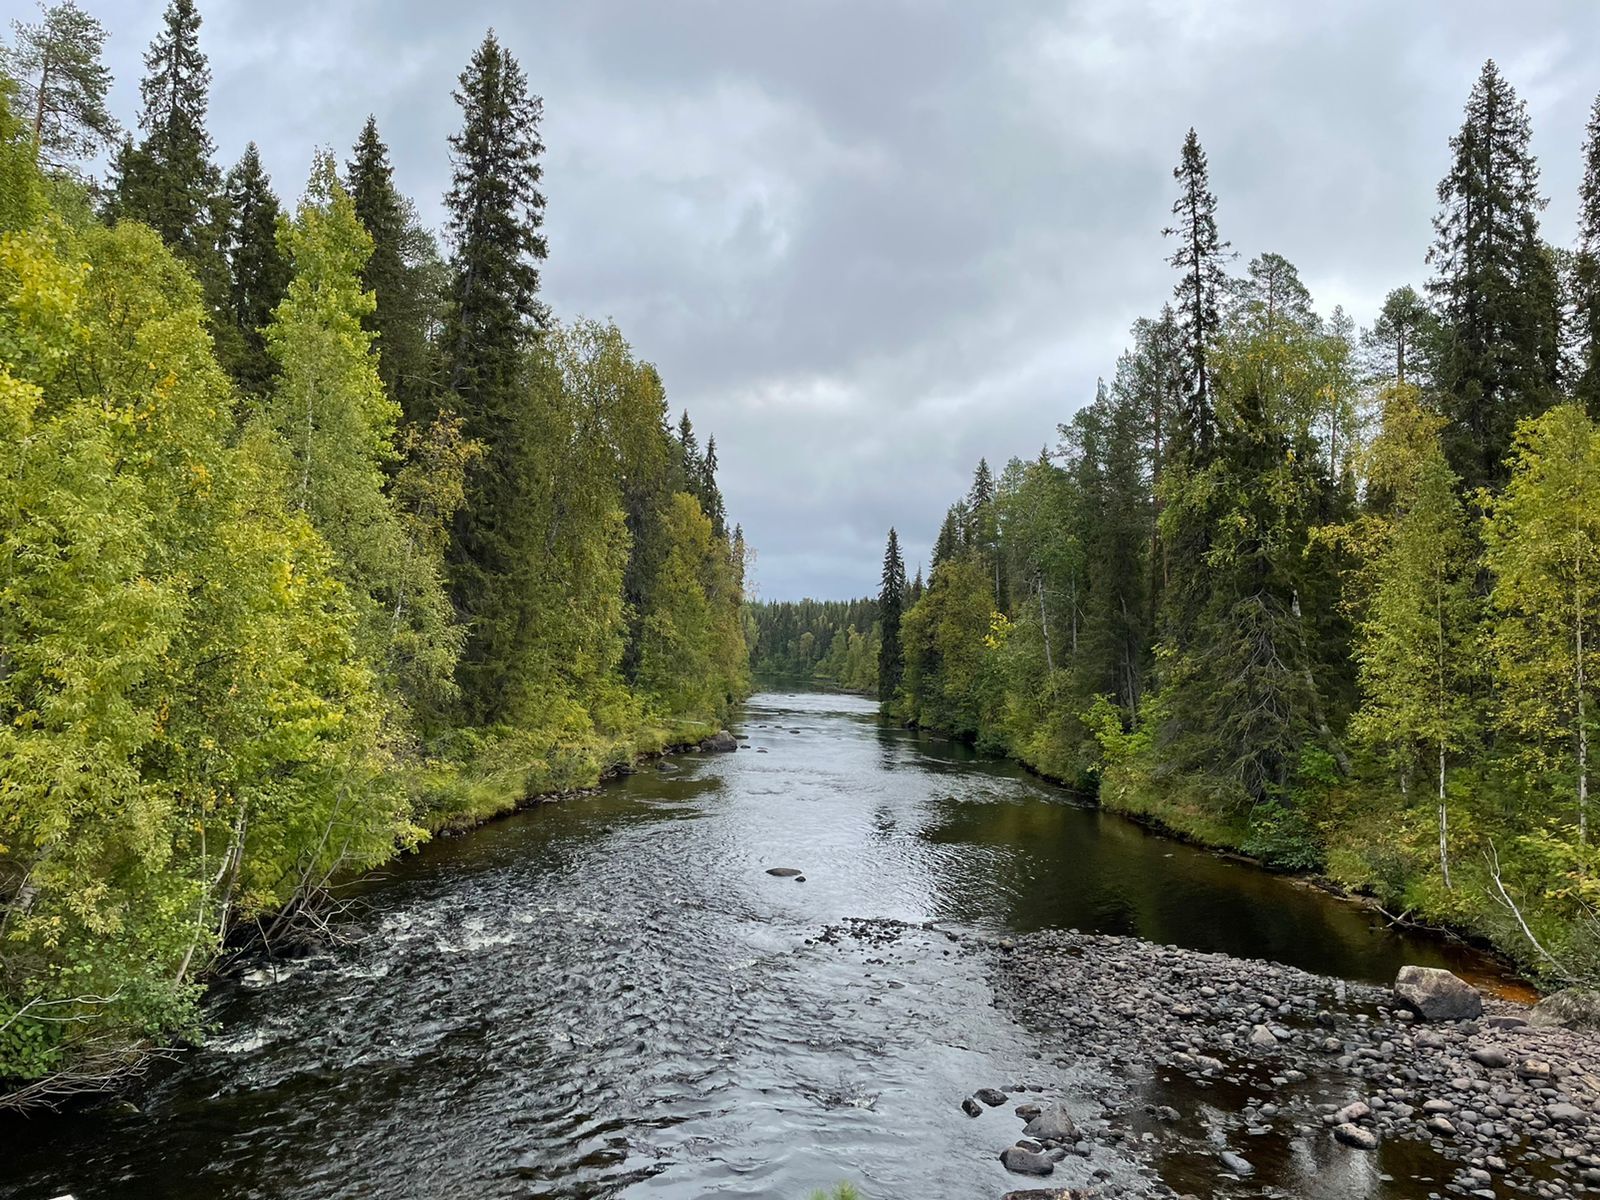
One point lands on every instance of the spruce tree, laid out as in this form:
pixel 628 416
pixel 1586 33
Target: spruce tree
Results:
pixel 495 214
pixel 168 180
pixel 400 274
pixel 1199 256
pixel 1495 284
pixel 710 495
pixel 258 271
pixel 1586 274
pixel 948 544
pixel 891 605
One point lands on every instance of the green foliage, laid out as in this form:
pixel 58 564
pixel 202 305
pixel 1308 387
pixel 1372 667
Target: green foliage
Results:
pixel 837 642
pixel 404 273
pixel 228 656
pixel 185 719
pixel 1240 623
pixel 63 84
pixel 1543 547
pixel 1495 285
pixel 891 607
pixel 337 427
pixel 258 272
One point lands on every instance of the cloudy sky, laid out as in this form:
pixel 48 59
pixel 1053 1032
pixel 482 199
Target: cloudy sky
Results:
pixel 869 241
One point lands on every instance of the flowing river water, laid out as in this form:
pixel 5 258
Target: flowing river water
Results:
pixel 610 996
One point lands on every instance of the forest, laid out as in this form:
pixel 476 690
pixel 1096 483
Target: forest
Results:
pixel 322 534
pixel 1324 595
pixel 836 643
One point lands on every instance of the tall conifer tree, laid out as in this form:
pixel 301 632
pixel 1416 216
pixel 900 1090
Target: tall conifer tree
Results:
pixel 62 85
pixel 1495 284
pixel 1199 256
pixel 258 272
pixel 1586 273
pixel 168 180
pixel 400 274
pixel 891 604
pixel 495 214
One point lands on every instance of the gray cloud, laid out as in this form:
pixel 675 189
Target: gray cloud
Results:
pixel 867 243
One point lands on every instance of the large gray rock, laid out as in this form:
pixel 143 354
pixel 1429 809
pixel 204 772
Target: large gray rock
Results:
pixel 1026 1162
pixel 721 742
pixel 1234 1163
pixel 1052 1125
pixel 1574 1008
pixel 1436 995
pixel 1355 1136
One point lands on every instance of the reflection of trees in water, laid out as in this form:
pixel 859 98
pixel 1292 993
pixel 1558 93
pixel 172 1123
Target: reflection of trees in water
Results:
pixel 1056 864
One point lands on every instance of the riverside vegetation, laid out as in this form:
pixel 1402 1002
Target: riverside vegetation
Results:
pixel 316 540
pixel 1323 596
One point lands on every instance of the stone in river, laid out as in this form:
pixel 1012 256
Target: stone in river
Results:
pixel 993 1097
pixel 1233 1163
pixel 1052 1125
pixel 1437 995
pixel 785 872
pixel 1026 1162
pixel 721 742
pixel 971 1107
pixel 1355 1136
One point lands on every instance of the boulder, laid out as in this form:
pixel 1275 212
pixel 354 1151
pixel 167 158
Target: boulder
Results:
pixel 721 742
pixel 1574 1008
pixel 1052 1125
pixel 785 872
pixel 1355 1136
pixel 1234 1164
pixel 1026 1162
pixel 1437 995
pixel 993 1097
pixel 971 1107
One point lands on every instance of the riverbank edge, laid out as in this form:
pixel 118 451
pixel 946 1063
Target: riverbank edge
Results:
pixel 495 795
pixel 1515 969
pixel 1310 1058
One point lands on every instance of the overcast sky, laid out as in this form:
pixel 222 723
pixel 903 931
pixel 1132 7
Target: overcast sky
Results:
pixel 868 242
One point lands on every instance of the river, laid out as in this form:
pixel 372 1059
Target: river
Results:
pixel 609 996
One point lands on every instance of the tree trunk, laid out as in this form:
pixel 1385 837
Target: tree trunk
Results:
pixel 1444 842
pixel 1044 625
pixel 38 110
pixel 1583 730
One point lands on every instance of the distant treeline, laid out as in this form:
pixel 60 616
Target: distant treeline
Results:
pixel 828 641
pixel 314 539
pixel 1326 595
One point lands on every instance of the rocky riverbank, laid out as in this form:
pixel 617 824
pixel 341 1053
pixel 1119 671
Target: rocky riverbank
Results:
pixel 1168 1072
pixel 1326 1067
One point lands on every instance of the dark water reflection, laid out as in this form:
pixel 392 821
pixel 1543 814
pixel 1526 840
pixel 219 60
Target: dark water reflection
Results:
pixel 611 997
